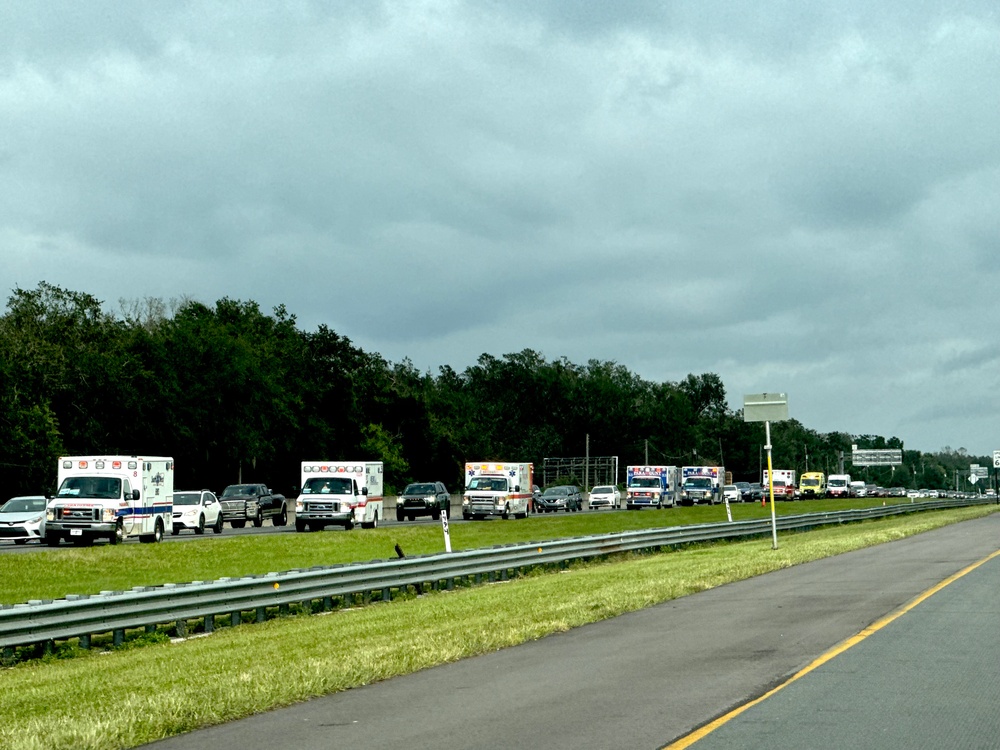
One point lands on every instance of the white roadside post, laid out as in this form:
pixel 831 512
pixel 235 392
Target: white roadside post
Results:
pixel 767 408
pixel 447 536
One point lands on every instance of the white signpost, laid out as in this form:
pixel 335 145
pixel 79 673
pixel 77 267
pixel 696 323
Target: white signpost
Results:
pixel 447 535
pixel 767 408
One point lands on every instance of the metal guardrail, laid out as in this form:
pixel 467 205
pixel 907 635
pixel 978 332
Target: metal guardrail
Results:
pixel 81 616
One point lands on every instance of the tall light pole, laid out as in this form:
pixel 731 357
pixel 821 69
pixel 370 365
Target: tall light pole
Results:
pixel 767 408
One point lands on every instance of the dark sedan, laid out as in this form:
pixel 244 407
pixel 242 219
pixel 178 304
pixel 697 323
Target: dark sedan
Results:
pixel 565 497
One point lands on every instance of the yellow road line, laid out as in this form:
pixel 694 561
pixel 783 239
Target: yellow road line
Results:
pixel 689 739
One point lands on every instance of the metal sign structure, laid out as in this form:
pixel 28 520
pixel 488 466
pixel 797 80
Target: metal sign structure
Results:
pixel 877 457
pixel 767 408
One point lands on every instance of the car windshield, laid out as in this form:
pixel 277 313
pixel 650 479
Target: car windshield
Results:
pixel 420 489
pixel 645 482
pixel 238 489
pixel 98 488
pixel 327 486
pixel 23 505
pixel 602 491
pixel 555 491
pixel 187 498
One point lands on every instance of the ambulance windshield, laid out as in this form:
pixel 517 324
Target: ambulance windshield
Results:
pixel 488 484
pixel 100 488
pixel 327 486
pixel 644 482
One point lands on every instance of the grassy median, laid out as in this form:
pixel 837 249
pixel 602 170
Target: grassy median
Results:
pixel 128 698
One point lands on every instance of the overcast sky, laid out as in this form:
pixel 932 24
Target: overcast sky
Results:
pixel 799 197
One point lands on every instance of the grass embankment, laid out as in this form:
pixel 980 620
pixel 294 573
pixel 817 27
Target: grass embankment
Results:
pixel 53 574
pixel 124 699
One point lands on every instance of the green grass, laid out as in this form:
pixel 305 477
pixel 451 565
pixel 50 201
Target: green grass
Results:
pixel 128 698
pixel 53 574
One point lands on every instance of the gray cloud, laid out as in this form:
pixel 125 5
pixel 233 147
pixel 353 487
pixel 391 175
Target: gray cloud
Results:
pixel 796 197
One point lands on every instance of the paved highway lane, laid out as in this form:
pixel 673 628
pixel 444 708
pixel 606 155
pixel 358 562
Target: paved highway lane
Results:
pixel 639 681
pixel 926 677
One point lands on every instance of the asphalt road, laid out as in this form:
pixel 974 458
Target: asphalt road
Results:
pixel 648 678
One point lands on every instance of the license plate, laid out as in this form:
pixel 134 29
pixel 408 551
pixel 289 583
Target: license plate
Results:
pixel 76 532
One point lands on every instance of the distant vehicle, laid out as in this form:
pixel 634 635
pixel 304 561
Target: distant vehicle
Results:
pixel 746 491
pixel 423 499
pixel 339 493
pixel 756 491
pixel 564 497
pixel 731 493
pixel 197 511
pixel 702 484
pixel 838 485
pixel 253 503
pixel 497 489
pixel 784 484
pixel 913 494
pixel 651 486
pixel 23 518
pixel 812 484
pixel 858 489
pixel 605 496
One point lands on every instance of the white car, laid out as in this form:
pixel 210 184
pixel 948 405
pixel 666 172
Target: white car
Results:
pixel 605 496
pixel 23 518
pixel 731 493
pixel 197 510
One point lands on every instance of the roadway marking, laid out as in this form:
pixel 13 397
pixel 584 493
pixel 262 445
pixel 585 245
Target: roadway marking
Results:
pixel 689 739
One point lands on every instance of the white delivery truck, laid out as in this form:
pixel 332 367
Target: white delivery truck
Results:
pixel 651 486
pixel 702 484
pixel 111 497
pixel 339 493
pixel 497 489
pixel 838 485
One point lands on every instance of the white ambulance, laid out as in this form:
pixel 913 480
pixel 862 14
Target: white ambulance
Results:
pixel 111 497
pixel 497 489
pixel 339 493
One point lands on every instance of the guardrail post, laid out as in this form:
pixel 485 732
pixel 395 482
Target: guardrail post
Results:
pixel 261 614
pixel 386 594
pixel 235 618
pixel 83 642
pixel 118 637
pixel 181 628
pixel 209 623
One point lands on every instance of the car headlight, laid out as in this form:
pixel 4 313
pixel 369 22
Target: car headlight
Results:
pixel 36 519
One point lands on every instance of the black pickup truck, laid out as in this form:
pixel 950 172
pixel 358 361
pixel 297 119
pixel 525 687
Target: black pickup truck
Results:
pixel 254 503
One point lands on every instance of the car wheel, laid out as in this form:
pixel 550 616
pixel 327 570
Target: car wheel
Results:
pixel 281 519
pixel 218 524
pixel 20 541
pixel 436 514
pixel 200 528
pixel 399 516
pixel 258 520
pixel 175 530
pixel 238 524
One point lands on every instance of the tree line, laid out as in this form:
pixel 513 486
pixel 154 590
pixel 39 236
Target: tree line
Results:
pixel 235 394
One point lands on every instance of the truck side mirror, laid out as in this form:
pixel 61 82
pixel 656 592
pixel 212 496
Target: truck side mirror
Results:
pixel 135 494
pixel 364 490
pixel 517 488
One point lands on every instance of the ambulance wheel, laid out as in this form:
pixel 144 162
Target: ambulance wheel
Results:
pixel 300 525
pixel 82 541
pixel 373 524
pixel 52 540
pixel 200 528
pixel 281 519
pixel 218 524
pixel 156 536
pixel 506 513
pixel 119 536
pixel 258 520
pixel 348 524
